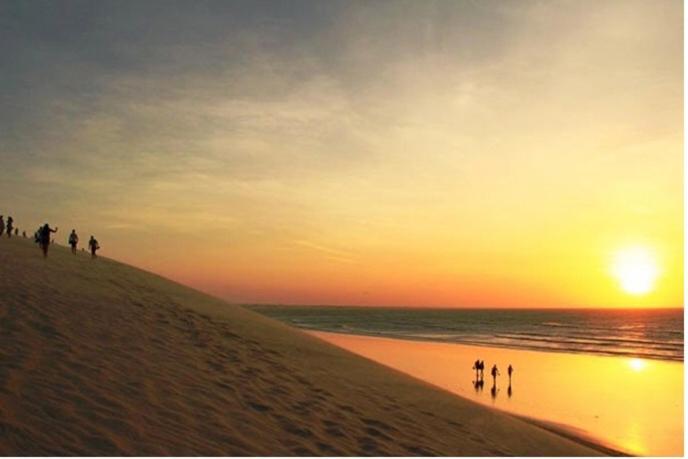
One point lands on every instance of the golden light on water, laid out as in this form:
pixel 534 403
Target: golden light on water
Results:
pixel 633 403
pixel 636 270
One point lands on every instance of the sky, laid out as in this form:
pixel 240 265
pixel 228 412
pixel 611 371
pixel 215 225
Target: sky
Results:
pixel 434 153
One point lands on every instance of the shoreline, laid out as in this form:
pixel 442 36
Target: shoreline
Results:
pixel 488 346
pixel 587 412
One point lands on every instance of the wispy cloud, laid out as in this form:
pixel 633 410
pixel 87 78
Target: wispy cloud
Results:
pixel 330 253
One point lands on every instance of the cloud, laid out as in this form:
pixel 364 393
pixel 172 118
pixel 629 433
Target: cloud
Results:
pixel 349 124
pixel 330 253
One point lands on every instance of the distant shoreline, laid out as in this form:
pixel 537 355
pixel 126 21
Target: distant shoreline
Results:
pixel 455 308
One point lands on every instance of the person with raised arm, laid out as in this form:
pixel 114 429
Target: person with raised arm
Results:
pixel 44 238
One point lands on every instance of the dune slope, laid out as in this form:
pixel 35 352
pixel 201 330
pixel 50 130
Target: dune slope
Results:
pixel 99 358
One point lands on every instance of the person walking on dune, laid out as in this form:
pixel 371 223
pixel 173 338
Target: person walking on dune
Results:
pixel 93 245
pixel 73 241
pixel 10 226
pixel 495 373
pixel 2 225
pixel 44 238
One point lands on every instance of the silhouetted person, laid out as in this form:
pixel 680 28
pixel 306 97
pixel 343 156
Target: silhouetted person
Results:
pixel 44 238
pixel 73 241
pixel 509 371
pixel 93 245
pixel 24 234
pixel 495 373
pixel 10 227
pixel 2 225
pixel 482 369
pixel 476 367
pixel 16 231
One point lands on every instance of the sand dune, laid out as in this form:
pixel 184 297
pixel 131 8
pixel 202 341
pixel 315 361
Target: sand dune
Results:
pixel 99 358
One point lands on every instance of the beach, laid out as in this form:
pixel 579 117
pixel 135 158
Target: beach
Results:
pixel 630 404
pixel 99 358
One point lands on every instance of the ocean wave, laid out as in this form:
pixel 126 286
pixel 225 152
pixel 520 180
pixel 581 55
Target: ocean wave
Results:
pixel 646 334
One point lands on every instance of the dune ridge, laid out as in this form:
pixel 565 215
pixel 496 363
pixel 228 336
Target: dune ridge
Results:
pixel 100 358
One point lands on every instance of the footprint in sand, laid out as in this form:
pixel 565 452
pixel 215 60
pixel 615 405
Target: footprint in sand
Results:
pixel 259 407
pixel 368 446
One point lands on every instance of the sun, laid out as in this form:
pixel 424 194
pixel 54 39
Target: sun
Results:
pixel 637 364
pixel 636 270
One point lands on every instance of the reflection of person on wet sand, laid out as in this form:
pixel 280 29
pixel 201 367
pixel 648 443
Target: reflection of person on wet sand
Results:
pixel 478 385
pixel 493 391
pixel 508 391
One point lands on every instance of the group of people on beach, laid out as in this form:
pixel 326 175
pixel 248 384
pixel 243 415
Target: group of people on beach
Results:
pixel 8 228
pixel 42 236
pixel 93 245
pixel 479 367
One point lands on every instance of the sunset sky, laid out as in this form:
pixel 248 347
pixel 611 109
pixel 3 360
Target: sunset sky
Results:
pixel 425 153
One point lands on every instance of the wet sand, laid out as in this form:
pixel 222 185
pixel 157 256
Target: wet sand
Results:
pixel 99 358
pixel 633 405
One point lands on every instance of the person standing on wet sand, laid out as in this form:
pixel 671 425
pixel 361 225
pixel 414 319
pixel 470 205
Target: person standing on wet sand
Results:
pixel 73 241
pixel 495 373
pixel 44 238
pixel 509 371
pixel 2 225
pixel 93 245
pixel 10 227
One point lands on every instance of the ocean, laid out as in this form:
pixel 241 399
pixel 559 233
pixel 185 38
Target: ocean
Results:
pixel 644 333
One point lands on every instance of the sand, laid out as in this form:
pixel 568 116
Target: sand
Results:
pixel 99 358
